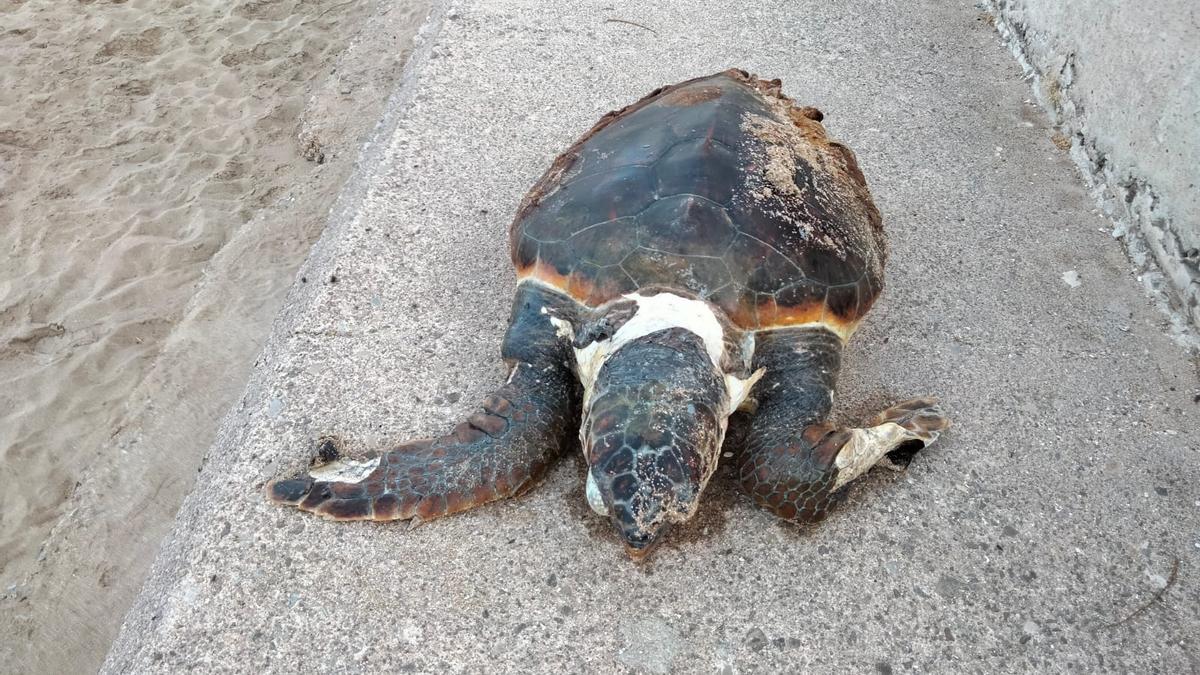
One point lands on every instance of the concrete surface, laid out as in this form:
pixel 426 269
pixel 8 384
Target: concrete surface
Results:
pixel 1056 508
pixel 1122 81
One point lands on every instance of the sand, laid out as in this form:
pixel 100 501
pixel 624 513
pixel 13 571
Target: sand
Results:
pixel 164 168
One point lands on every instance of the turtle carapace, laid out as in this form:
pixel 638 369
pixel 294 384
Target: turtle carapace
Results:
pixel 704 250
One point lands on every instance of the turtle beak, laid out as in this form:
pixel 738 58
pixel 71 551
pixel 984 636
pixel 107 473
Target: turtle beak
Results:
pixel 639 548
pixel 636 554
pixel 639 519
pixel 639 540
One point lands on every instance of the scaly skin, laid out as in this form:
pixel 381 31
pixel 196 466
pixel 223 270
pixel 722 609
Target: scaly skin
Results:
pixel 652 433
pixel 790 464
pixel 496 453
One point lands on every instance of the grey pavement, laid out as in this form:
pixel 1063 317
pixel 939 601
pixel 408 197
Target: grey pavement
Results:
pixel 1036 535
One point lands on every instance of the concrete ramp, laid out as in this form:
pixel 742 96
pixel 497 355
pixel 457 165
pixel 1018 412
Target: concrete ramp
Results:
pixel 1056 526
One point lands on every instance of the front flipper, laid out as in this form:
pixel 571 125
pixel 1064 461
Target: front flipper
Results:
pixel 795 464
pixel 497 453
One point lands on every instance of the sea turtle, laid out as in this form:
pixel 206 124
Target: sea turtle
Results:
pixel 704 250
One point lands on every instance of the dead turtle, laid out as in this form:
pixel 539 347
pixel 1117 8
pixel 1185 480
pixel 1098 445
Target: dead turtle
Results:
pixel 704 250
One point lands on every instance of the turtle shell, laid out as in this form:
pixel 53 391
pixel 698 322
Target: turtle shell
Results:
pixel 720 187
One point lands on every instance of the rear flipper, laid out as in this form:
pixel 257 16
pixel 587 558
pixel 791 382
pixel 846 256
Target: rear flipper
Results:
pixel 497 453
pixel 795 464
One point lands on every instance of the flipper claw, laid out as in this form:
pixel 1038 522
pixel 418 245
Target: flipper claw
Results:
pixel 922 419
pixel 289 491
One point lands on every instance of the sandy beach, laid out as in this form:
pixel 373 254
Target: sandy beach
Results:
pixel 164 169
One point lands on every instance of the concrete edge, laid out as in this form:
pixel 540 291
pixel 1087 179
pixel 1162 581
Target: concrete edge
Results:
pixel 1142 218
pixel 341 213
pixel 371 152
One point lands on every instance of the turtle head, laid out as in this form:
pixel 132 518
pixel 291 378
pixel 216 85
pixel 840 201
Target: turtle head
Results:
pixel 655 409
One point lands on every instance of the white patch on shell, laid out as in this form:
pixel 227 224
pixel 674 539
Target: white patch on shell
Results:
pixel 655 313
pixel 344 470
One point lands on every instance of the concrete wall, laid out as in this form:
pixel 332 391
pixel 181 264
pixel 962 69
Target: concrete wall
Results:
pixel 1122 80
